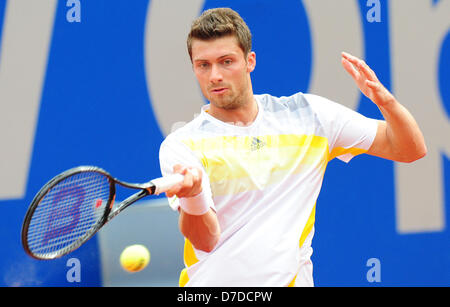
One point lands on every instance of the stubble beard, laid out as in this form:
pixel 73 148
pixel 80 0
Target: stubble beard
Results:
pixel 231 100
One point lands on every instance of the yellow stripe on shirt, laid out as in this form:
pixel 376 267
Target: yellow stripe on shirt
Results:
pixel 189 259
pixel 236 164
pixel 338 151
pixel 306 231
pixel 309 226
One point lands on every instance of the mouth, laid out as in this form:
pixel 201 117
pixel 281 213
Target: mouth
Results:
pixel 219 90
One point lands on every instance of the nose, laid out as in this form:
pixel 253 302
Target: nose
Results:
pixel 216 74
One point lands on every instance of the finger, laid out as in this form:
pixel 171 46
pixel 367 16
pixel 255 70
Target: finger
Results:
pixel 367 71
pixel 197 179
pixel 351 58
pixel 378 88
pixel 188 181
pixel 350 69
pixel 178 168
pixel 169 194
pixel 373 85
pixel 361 66
pixel 381 95
pixel 173 191
pixel 352 65
pixel 196 174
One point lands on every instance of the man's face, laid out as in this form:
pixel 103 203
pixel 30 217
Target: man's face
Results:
pixel 223 71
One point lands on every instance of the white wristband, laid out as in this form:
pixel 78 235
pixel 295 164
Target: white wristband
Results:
pixel 197 205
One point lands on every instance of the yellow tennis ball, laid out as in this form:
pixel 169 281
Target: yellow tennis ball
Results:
pixel 134 258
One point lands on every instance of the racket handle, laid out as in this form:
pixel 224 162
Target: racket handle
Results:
pixel 164 183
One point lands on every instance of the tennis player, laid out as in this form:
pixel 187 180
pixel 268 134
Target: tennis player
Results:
pixel 248 212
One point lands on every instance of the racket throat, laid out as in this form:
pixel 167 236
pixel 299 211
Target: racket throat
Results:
pixel 112 201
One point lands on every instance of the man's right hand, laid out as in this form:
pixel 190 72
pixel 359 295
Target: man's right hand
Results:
pixel 202 230
pixel 191 185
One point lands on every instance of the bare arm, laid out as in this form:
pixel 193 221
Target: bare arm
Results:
pixel 203 231
pixel 398 137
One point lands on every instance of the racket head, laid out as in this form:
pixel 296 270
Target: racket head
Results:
pixel 67 212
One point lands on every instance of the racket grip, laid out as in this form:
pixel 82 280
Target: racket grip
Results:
pixel 165 183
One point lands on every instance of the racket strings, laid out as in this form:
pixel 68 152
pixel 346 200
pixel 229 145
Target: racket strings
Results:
pixel 68 212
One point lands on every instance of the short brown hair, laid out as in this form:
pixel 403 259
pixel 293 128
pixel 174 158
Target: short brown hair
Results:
pixel 217 23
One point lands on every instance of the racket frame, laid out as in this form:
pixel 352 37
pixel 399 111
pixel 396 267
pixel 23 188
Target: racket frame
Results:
pixel 146 189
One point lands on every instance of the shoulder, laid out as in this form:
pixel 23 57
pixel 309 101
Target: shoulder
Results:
pixel 322 104
pixel 297 107
pixel 183 130
pixel 283 103
pixel 185 136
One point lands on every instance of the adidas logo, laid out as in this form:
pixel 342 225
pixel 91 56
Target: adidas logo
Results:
pixel 257 144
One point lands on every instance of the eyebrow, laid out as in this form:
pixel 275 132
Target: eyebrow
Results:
pixel 225 56
pixel 221 57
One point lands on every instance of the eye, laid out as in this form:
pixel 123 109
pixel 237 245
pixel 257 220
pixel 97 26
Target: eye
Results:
pixel 203 65
pixel 227 61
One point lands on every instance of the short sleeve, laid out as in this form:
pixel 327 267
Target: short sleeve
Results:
pixel 174 152
pixel 349 133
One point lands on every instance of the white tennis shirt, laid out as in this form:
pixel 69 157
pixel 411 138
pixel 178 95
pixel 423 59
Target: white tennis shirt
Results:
pixel 263 181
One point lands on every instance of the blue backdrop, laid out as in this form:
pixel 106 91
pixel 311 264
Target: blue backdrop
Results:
pixel 96 109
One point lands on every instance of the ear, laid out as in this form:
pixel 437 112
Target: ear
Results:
pixel 251 61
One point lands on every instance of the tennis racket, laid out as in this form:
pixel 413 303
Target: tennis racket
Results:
pixel 74 205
